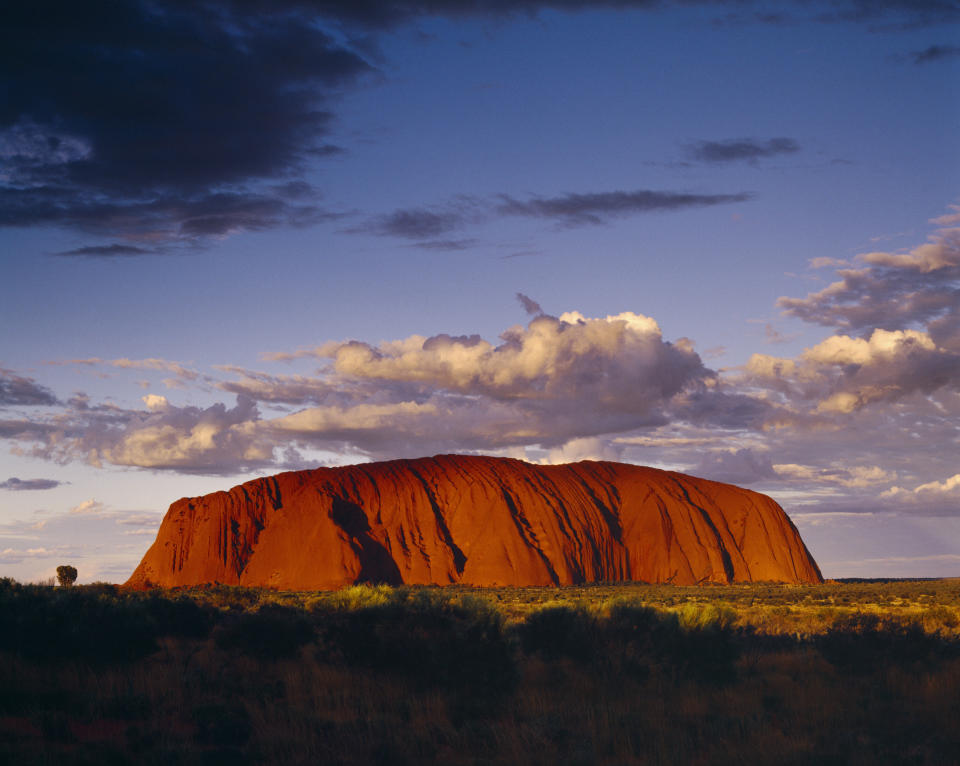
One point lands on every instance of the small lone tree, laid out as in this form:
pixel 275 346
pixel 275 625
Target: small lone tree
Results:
pixel 66 575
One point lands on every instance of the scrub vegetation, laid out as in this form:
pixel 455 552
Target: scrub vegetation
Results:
pixel 844 673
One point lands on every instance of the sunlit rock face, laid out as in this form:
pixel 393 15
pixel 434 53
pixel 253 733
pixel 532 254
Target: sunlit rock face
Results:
pixel 475 520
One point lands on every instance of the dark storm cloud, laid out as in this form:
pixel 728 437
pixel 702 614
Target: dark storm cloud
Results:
pixel 935 53
pixel 741 149
pixel 132 115
pixel 29 484
pixel 580 209
pixel 135 117
pixel 174 95
pixel 383 15
pixel 17 390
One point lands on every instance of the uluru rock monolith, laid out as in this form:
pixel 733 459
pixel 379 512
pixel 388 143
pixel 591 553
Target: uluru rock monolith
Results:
pixel 479 521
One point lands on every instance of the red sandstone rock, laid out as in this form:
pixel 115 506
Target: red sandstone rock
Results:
pixel 475 520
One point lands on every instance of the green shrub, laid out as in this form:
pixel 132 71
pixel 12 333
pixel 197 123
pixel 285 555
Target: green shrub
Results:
pixel 428 636
pixel 75 623
pixel 709 617
pixel 271 632
pixel 560 631
pixel 637 637
pixel 708 646
pixel 698 641
pixel 862 643
pixel 179 616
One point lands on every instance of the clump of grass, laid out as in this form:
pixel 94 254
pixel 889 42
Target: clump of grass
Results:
pixel 358 597
pixel 710 616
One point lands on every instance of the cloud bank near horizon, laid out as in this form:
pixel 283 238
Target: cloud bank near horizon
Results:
pixel 856 421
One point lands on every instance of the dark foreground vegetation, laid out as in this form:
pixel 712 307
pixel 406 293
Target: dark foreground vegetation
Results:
pixel 848 673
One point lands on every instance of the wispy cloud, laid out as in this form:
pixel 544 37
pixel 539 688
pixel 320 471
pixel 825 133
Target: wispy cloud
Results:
pixel 888 560
pixel 529 305
pixel 600 207
pixel 114 250
pixel 741 149
pixel 935 53
pixel 15 555
pixel 179 369
pixel 446 245
pixel 415 223
pixel 19 485
pixel 573 209
pixel 20 390
pixel 88 507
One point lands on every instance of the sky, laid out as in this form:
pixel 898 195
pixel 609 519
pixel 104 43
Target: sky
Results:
pixel 719 237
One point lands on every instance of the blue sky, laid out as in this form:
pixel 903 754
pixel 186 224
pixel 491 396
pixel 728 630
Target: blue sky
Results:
pixel 235 243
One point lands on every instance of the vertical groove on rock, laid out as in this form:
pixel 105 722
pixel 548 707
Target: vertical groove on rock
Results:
pixel 724 554
pixel 275 498
pixel 459 559
pixel 526 531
